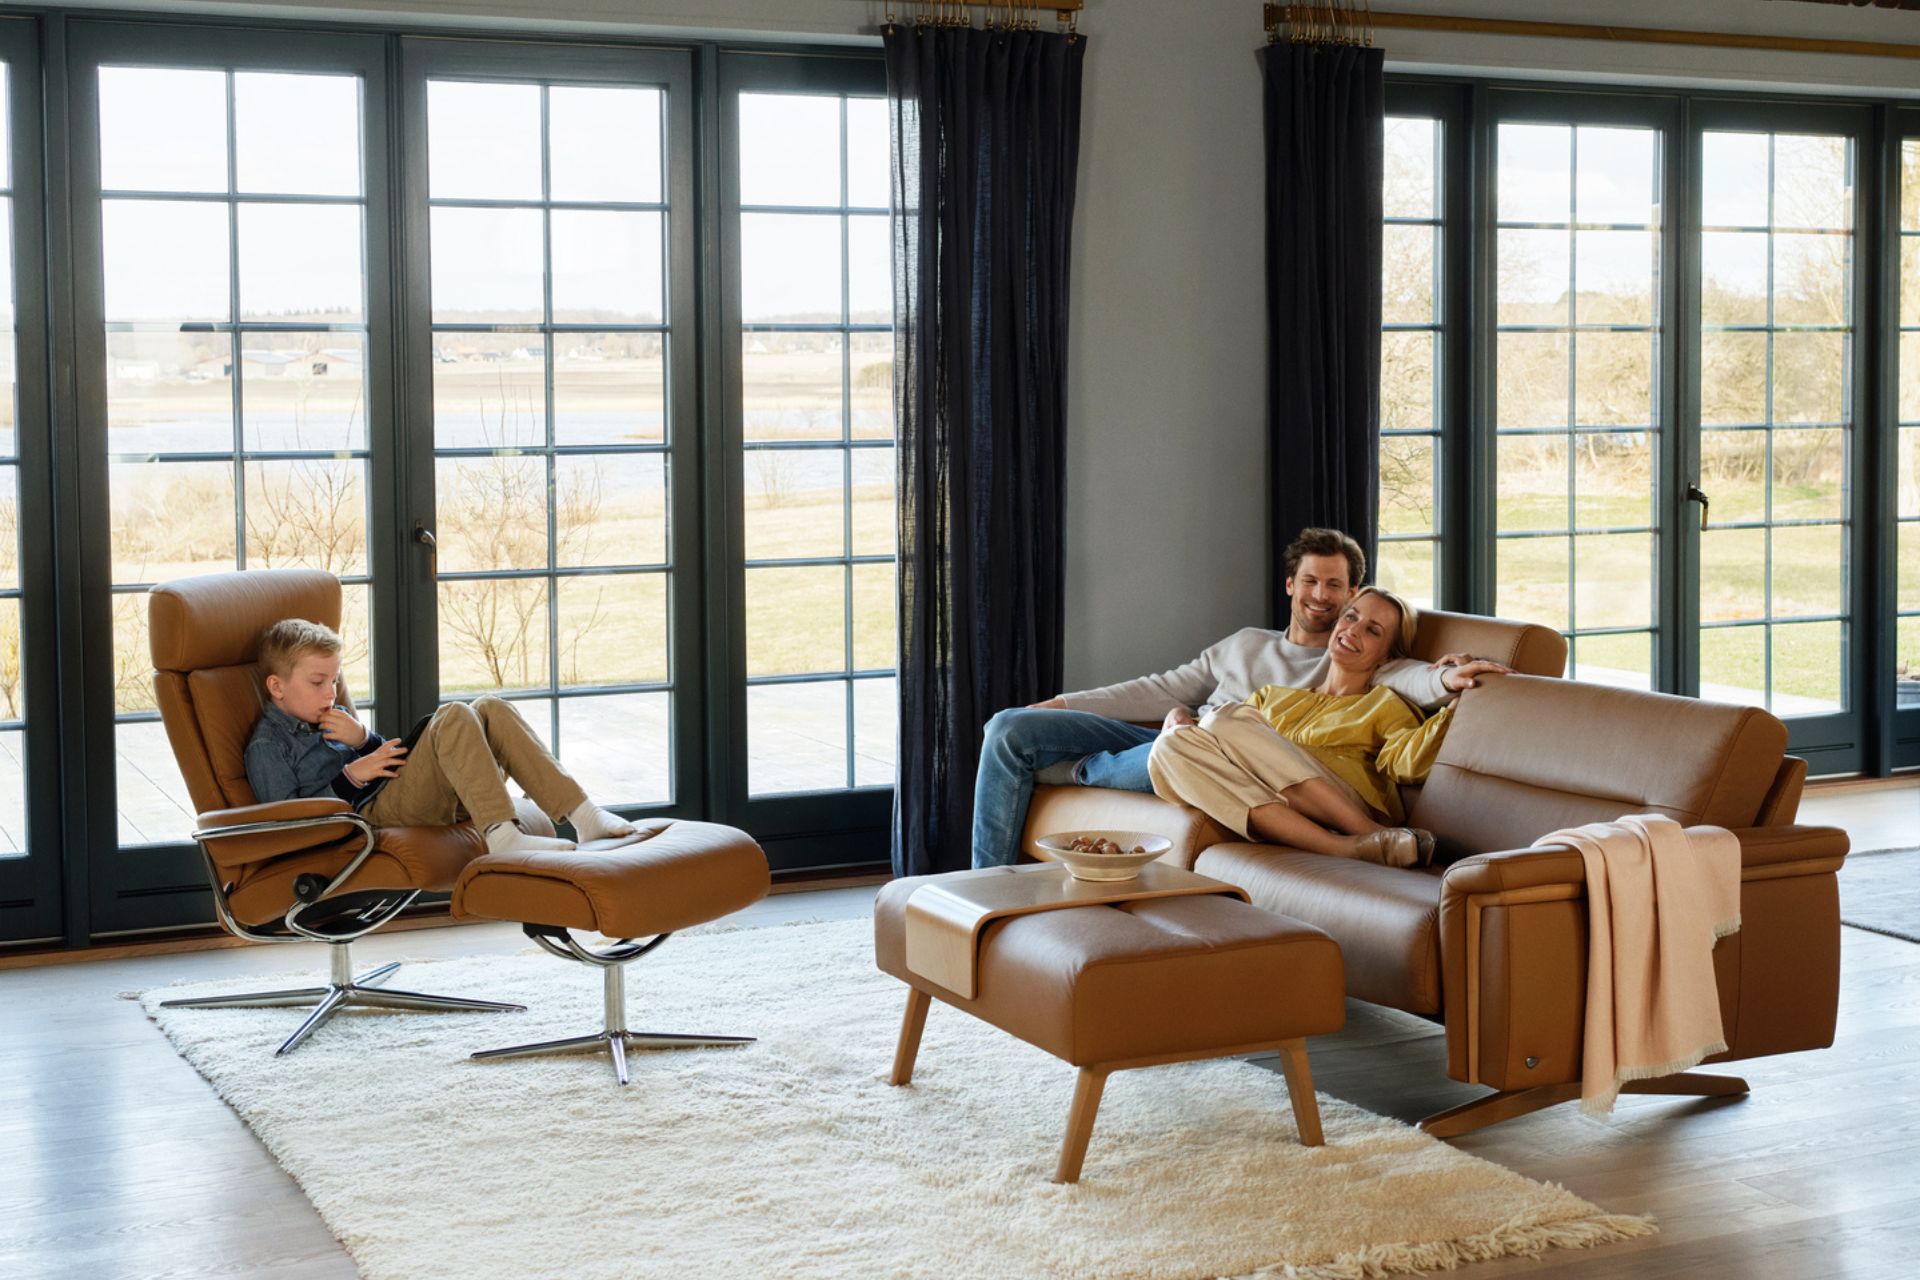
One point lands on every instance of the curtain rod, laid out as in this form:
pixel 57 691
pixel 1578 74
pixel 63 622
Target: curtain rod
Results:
pixel 1639 35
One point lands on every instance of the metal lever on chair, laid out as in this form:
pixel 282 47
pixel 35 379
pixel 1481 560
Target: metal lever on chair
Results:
pixel 1694 494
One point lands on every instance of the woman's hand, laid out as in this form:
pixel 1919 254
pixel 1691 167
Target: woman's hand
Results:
pixel 1466 675
pixel 383 761
pixel 1177 717
pixel 337 726
pixel 1051 704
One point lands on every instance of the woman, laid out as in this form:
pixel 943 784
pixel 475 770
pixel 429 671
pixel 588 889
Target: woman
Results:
pixel 1314 769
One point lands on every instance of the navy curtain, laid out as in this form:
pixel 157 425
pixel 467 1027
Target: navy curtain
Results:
pixel 1326 142
pixel 986 130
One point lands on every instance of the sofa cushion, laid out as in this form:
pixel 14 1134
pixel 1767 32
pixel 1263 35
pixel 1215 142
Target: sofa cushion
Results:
pixel 1525 756
pixel 1386 920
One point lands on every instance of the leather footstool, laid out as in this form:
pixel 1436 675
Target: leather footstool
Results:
pixel 1136 984
pixel 677 875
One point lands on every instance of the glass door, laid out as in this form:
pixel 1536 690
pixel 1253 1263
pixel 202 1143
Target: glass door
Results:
pixel 1774 490
pixel 31 897
pixel 809 457
pixel 553 471
pixel 230 255
pixel 1906 445
pixel 1582 404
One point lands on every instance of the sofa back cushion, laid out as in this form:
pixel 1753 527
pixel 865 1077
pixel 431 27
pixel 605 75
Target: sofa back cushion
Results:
pixel 1526 756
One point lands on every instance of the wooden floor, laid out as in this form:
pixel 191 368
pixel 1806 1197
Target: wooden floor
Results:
pixel 116 1160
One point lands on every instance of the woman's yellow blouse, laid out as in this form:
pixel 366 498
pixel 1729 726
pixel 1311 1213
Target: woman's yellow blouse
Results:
pixel 1372 741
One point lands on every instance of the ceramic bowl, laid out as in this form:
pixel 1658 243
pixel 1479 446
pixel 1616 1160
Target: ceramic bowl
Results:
pixel 1105 866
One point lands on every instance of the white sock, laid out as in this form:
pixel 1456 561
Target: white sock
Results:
pixel 591 822
pixel 507 837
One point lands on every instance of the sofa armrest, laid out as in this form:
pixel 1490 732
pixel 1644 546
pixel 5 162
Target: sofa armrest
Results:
pixel 1513 958
pixel 235 838
pixel 1765 853
pixel 1056 809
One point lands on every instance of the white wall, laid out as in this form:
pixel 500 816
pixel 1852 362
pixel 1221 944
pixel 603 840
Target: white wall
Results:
pixel 1167 525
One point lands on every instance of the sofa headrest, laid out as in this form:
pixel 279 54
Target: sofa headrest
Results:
pixel 1526 755
pixel 1527 647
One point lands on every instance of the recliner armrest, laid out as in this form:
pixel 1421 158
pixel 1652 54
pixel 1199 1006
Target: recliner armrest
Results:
pixel 234 838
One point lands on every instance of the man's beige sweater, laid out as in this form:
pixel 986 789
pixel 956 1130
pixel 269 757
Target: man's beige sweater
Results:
pixel 1232 670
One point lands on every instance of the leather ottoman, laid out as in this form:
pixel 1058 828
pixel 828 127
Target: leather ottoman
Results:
pixel 1136 984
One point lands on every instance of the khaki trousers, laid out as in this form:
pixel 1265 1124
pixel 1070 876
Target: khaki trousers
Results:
pixel 459 767
pixel 1231 763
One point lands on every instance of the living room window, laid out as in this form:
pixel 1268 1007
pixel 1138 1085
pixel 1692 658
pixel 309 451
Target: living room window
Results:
pixel 13 797
pixel 549 226
pixel 232 219
pixel 1410 360
pixel 1576 309
pixel 1906 658
pixel 1776 417
pixel 582 388
pixel 816 359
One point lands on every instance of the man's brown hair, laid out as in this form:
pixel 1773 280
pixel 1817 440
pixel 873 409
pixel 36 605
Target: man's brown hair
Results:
pixel 287 641
pixel 1327 542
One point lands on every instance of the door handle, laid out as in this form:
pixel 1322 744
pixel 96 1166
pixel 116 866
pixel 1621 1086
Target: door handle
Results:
pixel 424 536
pixel 1694 494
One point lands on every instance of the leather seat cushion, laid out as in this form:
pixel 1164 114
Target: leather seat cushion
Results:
pixel 428 859
pixel 1139 979
pixel 1386 919
pixel 683 874
pixel 423 858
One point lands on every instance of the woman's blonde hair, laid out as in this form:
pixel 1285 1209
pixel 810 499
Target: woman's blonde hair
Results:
pixel 1401 644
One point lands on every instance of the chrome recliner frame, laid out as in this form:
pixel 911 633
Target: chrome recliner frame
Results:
pixel 354 914
pixel 614 1036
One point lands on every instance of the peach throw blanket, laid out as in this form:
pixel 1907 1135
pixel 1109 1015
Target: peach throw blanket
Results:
pixel 1657 901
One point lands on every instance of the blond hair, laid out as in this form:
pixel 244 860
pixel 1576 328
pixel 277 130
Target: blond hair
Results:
pixel 283 644
pixel 1402 641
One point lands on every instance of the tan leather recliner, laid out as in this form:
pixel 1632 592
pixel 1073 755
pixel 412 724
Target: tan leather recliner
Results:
pixel 295 870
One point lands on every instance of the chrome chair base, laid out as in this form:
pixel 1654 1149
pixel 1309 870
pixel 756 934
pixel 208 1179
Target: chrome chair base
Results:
pixel 615 1043
pixel 343 990
pixel 614 1039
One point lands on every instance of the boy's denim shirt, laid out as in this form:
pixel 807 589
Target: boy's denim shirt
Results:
pixel 288 759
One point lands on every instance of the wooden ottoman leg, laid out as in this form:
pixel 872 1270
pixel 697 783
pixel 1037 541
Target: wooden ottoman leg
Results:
pixel 1306 1106
pixel 1086 1105
pixel 911 1026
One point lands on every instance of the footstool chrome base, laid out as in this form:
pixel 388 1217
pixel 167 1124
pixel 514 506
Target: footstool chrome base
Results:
pixel 615 1039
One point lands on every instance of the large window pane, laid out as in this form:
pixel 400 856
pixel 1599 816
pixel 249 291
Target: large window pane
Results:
pixel 605 143
pixel 1410 418
pixel 551 332
pixel 1776 356
pixel 1577 403
pixel 189 490
pixel 163 129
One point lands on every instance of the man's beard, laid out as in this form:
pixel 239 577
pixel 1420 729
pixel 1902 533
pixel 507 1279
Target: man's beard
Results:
pixel 1308 626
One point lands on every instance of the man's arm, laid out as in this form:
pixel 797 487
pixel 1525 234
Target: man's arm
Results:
pixel 1150 697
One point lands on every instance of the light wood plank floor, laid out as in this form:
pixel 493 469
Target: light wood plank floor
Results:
pixel 116 1160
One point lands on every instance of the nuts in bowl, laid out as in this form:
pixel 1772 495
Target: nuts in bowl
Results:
pixel 1104 855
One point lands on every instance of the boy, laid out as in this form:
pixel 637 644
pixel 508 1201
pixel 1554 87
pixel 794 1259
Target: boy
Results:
pixel 305 745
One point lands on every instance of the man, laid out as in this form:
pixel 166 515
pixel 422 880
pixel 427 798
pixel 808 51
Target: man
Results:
pixel 1089 738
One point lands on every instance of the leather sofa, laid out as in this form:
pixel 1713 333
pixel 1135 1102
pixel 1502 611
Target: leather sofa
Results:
pixel 1491 941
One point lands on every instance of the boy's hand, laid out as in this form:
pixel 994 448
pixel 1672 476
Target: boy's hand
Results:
pixel 383 761
pixel 1177 718
pixel 337 726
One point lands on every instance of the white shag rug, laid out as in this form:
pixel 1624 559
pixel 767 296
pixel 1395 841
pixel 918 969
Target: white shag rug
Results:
pixel 794 1157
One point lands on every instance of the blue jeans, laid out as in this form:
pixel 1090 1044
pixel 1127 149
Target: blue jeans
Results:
pixel 1021 740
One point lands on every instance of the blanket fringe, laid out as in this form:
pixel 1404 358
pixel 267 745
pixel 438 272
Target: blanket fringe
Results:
pixel 1602 1103
pixel 1507 1240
